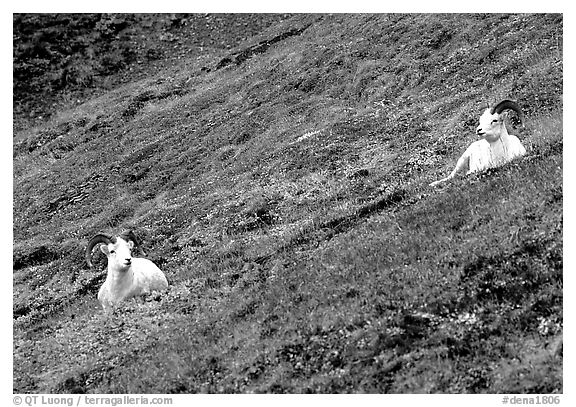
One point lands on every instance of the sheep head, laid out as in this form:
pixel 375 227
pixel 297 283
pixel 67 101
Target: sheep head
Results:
pixel 118 249
pixel 492 125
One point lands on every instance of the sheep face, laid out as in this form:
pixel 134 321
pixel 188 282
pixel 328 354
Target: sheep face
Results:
pixel 491 126
pixel 119 254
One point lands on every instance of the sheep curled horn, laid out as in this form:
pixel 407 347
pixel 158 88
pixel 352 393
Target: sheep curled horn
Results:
pixel 508 104
pixel 127 235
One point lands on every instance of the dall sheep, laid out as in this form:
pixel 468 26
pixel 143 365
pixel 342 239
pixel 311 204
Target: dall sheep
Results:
pixel 127 276
pixel 496 147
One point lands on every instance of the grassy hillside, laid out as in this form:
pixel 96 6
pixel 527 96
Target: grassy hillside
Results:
pixel 61 60
pixel 282 185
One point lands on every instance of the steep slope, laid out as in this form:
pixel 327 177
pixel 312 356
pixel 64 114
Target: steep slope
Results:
pixel 62 60
pixel 282 187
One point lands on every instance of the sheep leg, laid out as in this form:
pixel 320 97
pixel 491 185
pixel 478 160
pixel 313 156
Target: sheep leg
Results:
pixel 461 165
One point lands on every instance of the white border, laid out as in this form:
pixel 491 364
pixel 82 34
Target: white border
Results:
pixel 6 240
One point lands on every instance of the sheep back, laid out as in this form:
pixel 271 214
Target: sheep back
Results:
pixel 483 155
pixel 148 276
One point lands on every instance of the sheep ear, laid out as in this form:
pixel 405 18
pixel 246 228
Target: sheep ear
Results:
pixel 130 244
pixel 104 249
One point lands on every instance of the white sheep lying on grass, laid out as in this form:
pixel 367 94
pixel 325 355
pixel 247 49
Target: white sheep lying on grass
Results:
pixel 496 147
pixel 127 276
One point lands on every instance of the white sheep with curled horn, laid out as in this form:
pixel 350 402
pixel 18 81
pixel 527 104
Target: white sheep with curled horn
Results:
pixel 496 147
pixel 127 276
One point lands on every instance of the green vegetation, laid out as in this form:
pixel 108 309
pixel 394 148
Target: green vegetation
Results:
pixel 282 185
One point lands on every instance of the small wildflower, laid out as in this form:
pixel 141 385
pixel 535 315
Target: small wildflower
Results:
pixel 548 327
pixel 467 318
pixel 394 331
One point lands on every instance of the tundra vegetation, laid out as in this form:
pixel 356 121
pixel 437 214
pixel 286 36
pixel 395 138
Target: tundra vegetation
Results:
pixel 278 169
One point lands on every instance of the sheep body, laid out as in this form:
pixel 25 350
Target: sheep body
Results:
pixel 127 276
pixel 496 147
pixel 142 277
pixel 483 155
